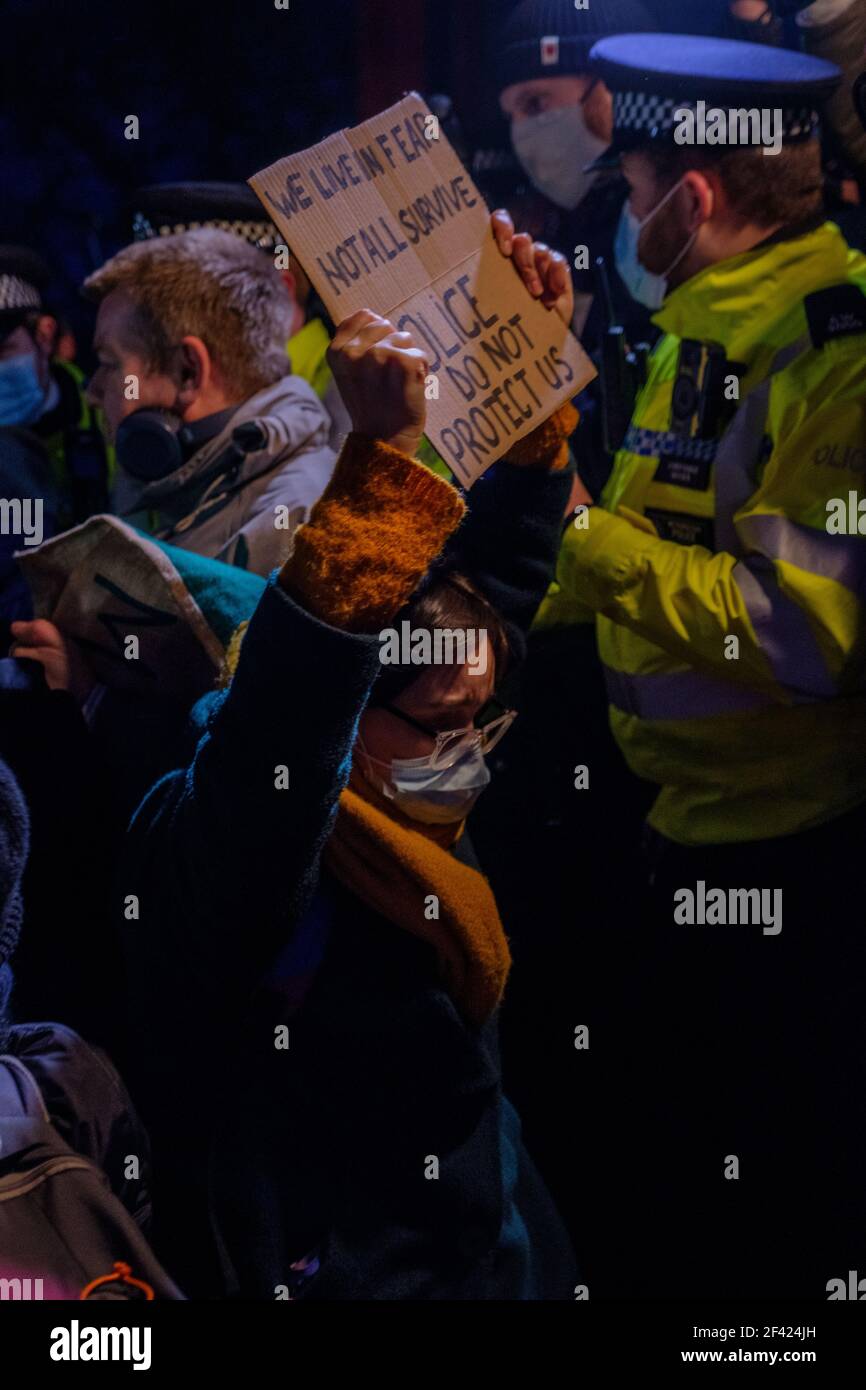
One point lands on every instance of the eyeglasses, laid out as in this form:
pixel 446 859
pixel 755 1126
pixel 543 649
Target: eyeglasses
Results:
pixel 491 724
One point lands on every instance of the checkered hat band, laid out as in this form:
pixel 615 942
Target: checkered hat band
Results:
pixel 258 233
pixel 15 293
pixel 642 113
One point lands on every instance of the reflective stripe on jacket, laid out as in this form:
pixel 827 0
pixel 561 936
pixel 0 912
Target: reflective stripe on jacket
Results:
pixel 766 735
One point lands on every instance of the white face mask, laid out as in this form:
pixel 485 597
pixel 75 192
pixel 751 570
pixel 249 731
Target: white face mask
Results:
pixel 643 286
pixel 432 795
pixel 553 148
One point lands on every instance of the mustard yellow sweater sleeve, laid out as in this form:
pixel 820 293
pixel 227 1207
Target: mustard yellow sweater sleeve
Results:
pixel 371 537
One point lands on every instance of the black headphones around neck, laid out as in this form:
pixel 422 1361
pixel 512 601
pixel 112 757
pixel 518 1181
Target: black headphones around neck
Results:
pixel 153 443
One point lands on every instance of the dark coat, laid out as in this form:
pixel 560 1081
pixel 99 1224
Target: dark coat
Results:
pixel 381 1076
pixel 324 1145
pixel 594 224
pixel 67 963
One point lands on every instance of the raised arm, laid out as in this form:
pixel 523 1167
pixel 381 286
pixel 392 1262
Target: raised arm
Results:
pixel 223 854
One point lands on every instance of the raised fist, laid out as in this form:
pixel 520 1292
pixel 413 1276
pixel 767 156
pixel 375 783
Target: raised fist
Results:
pixel 381 376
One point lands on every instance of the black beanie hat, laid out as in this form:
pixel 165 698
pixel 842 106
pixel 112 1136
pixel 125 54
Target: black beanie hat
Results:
pixel 550 38
pixel 14 846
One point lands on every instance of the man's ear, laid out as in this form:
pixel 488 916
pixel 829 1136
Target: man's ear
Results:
pixel 702 190
pixel 289 279
pixel 195 369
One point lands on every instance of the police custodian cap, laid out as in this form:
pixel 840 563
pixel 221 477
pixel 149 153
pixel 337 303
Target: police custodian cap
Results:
pixel 23 277
pixel 163 209
pixel 653 76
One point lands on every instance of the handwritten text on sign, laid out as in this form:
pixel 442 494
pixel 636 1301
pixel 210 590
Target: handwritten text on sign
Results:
pixel 385 217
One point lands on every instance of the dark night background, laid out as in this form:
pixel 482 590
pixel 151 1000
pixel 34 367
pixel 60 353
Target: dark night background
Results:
pixel 220 90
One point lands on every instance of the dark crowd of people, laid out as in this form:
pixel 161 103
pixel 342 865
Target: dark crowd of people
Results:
pixel 534 974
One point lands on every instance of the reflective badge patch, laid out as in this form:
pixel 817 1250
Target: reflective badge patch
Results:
pixel 835 313
pixel 550 51
pixel 682 528
pixel 694 473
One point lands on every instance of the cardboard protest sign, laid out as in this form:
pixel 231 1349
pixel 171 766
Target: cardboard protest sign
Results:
pixel 385 217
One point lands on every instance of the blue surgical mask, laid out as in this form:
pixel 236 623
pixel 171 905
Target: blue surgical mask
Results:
pixel 553 149
pixel 424 792
pixel 21 394
pixel 643 286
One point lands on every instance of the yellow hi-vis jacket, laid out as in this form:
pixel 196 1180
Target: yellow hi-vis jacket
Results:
pixel 764 736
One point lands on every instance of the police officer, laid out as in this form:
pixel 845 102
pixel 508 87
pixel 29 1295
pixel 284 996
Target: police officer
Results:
pixel 44 395
pixel 560 118
pixel 165 208
pixel 726 567
pixel 52 453
pixel 560 115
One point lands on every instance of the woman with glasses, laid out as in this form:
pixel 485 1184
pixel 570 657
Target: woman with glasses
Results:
pixel 358 1142
pixel 427 730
